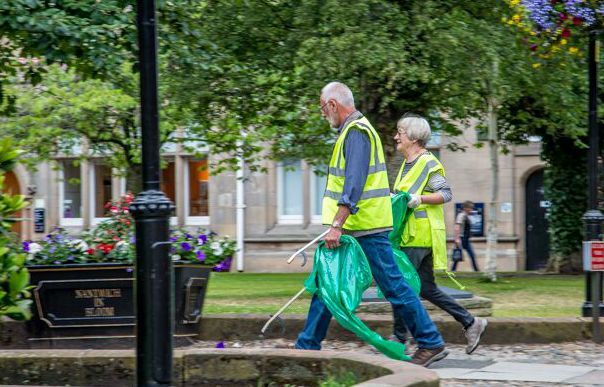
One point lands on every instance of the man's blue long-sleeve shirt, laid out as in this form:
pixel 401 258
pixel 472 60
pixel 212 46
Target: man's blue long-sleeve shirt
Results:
pixel 357 152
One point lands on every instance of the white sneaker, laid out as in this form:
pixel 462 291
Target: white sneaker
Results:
pixel 474 332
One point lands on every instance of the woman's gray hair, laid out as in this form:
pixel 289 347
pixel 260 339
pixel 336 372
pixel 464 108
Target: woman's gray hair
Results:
pixel 416 127
pixel 339 92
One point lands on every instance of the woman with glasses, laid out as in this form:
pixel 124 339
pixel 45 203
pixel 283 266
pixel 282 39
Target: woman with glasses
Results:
pixel 424 238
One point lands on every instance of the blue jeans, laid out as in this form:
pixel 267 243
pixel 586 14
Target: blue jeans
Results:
pixel 390 280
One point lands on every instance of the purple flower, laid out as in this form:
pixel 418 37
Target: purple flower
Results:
pixel 173 239
pixel 220 345
pixel 185 246
pixel 132 239
pixel 200 256
pixel 57 262
pixel 189 236
pixel 224 265
pixel 52 249
pixel 129 269
pixel 540 11
pixel 70 258
pixel 26 246
pixel 577 8
pixel 202 239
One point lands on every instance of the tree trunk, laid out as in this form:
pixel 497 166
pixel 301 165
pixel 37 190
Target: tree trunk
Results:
pixel 491 256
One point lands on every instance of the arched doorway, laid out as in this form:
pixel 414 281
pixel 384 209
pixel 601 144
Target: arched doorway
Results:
pixel 11 187
pixel 536 230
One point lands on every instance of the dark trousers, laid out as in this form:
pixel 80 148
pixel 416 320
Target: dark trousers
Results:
pixel 421 258
pixel 467 246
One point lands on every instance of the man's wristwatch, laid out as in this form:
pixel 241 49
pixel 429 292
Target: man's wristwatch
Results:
pixel 336 224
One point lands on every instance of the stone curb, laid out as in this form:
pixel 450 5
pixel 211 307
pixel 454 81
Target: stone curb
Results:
pixel 499 331
pixel 208 366
pixel 247 327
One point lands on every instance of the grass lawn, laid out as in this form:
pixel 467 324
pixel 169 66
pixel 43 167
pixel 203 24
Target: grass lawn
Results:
pixel 513 296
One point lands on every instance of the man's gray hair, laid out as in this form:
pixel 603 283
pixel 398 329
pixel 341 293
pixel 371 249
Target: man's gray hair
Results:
pixel 416 127
pixel 339 92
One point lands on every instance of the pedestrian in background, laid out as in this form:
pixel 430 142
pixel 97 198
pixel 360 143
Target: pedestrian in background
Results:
pixel 424 239
pixel 463 226
pixel 357 202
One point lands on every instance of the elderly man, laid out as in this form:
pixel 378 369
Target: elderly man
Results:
pixel 357 202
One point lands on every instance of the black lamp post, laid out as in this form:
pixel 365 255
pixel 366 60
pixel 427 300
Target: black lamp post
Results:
pixel 151 210
pixel 593 217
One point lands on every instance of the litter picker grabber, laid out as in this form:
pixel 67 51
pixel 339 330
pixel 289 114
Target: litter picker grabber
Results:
pixel 276 315
pixel 294 298
pixel 301 251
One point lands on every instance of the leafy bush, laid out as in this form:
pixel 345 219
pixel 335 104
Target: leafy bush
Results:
pixel 14 278
pixel 564 186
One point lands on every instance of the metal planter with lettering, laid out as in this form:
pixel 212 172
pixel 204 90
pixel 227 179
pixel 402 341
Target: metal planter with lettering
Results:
pixel 97 300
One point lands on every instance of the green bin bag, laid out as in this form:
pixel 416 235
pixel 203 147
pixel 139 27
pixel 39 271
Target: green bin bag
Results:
pixel 400 215
pixel 339 278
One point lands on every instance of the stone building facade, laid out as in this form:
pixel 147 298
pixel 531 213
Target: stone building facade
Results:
pixel 281 207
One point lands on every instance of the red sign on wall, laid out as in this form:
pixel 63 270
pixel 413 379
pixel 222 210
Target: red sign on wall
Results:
pixel 593 256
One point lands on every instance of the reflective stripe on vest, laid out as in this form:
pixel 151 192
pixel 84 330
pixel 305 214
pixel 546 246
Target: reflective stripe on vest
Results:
pixel 375 210
pixel 426 225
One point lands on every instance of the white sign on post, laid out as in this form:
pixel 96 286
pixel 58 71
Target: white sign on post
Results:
pixel 593 256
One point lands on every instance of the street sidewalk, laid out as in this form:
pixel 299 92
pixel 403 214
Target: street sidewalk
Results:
pixel 576 364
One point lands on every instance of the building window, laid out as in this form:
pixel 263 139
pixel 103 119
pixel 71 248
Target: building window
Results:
pixel 70 194
pixel 100 190
pixel 292 183
pixel 318 182
pixel 168 181
pixel 197 181
pixel 290 192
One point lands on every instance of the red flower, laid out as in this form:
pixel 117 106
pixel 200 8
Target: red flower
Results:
pixel 533 47
pixel 90 251
pixel 105 247
pixel 565 33
pixel 563 16
pixel 577 21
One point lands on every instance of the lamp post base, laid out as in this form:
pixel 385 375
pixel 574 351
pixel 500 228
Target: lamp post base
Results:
pixel 586 309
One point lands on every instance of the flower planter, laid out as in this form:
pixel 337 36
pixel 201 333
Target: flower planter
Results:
pixel 97 300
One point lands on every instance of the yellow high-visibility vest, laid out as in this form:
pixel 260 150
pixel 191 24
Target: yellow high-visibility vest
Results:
pixel 374 206
pixel 426 225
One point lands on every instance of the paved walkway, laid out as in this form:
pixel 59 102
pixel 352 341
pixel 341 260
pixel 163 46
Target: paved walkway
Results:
pixel 530 365
pixel 576 364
